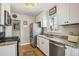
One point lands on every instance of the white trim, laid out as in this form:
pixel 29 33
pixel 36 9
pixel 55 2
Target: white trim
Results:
pixel 24 44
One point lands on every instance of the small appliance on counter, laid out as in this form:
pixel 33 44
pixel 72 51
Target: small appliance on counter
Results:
pixel 73 38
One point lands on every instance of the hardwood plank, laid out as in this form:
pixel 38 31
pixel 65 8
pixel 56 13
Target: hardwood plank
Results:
pixel 28 47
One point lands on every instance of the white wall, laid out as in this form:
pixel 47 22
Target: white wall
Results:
pixel 25 30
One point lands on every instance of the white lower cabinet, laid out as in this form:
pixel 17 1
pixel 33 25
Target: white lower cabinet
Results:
pixel 8 50
pixel 70 51
pixel 43 45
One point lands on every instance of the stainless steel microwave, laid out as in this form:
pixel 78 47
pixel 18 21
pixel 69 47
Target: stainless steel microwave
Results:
pixel 7 18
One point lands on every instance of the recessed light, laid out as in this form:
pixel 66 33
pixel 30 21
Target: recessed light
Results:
pixel 30 5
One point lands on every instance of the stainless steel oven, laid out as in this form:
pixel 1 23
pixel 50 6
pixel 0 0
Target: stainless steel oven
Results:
pixel 56 49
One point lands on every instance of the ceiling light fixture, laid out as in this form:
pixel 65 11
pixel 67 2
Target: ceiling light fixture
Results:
pixel 30 5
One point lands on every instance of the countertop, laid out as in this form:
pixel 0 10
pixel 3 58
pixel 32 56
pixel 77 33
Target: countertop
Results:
pixel 8 41
pixel 61 39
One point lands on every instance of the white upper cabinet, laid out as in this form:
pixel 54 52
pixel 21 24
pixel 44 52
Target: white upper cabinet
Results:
pixel 62 13
pixel 4 6
pixel 67 13
pixel 42 17
pixel 38 18
pixel 74 12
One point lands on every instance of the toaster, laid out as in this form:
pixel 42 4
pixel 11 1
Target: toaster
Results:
pixel 73 38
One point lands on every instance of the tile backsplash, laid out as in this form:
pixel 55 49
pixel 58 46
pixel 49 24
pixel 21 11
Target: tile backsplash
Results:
pixel 67 29
pixel 70 28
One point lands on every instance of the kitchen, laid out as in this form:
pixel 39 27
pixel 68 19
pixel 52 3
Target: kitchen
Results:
pixel 46 27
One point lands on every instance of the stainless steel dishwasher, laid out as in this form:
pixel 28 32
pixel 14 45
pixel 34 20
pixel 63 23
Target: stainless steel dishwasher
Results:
pixel 56 49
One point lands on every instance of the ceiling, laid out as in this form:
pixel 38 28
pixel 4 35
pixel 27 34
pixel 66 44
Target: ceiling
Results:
pixel 21 8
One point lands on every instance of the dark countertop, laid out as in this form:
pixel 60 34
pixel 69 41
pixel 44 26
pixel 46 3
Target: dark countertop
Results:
pixel 13 38
pixel 61 39
pixel 9 40
pixel 8 43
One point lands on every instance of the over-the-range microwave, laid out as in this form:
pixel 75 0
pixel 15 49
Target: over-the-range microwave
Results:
pixel 7 18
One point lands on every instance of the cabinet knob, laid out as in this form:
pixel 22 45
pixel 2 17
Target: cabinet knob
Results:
pixel 65 47
pixel 67 22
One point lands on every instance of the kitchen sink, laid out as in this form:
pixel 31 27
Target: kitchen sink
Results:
pixel 49 35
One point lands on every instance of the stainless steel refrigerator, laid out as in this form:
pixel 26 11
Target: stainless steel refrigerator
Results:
pixel 35 29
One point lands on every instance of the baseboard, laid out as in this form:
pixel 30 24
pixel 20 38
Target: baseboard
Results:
pixel 24 44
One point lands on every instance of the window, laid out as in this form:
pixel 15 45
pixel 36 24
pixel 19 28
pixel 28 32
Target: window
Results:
pixel 53 24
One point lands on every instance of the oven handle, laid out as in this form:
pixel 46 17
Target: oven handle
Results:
pixel 59 45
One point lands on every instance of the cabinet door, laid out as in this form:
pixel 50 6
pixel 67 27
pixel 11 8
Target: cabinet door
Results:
pixel 44 19
pixel 4 6
pixel 38 18
pixel 8 50
pixel 39 42
pixel 70 51
pixel 63 13
pixel 45 46
pixel 74 12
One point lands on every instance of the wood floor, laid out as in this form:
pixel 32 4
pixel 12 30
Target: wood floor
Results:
pixel 28 47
